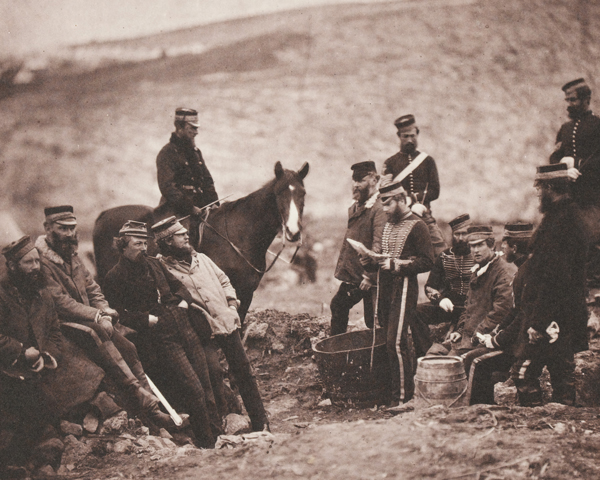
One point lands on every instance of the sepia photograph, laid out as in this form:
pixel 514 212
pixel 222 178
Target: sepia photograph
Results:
pixel 299 239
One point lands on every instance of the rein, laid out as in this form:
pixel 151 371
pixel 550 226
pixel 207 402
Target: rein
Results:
pixel 241 254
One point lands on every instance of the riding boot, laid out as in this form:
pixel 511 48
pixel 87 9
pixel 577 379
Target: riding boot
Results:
pixel 141 400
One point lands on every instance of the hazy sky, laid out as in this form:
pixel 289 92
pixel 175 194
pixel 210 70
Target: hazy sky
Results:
pixel 27 25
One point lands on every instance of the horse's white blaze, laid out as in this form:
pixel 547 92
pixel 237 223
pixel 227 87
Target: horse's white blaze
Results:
pixel 293 221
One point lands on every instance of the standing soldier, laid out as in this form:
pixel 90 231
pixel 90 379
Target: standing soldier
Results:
pixel 448 282
pixel 184 181
pixel 408 251
pixel 578 146
pixel 553 305
pixel 365 224
pixel 419 176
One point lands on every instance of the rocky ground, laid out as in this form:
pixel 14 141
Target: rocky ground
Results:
pixel 313 438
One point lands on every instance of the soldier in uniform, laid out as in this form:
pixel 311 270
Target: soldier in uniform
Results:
pixel 80 302
pixel 578 146
pixel 184 181
pixel 553 322
pixel 489 298
pixel 448 282
pixel 418 174
pixel 407 248
pixel 365 224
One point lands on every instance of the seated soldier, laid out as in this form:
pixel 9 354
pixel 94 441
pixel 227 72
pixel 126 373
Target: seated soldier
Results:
pixel 33 359
pixel 448 282
pixel 154 303
pixel 80 302
pixel 213 312
pixel 516 248
pixel 489 299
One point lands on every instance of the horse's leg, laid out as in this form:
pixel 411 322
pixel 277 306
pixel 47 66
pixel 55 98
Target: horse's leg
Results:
pixel 245 299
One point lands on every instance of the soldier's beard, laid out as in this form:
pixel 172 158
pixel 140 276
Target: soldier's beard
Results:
pixel 409 148
pixel 27 283
pixel 575 112
pixel 66 247
pixel 179 253
pixel 461 248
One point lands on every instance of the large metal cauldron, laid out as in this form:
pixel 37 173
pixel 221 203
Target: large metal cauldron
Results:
pixel 344 363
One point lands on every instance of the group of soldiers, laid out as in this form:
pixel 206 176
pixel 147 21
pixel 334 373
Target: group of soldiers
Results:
pixel 499 321
pixel 61 333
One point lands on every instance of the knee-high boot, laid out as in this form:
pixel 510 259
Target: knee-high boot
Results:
pixel 142 401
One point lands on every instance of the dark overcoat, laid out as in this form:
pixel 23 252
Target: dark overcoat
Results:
pixel 554 289
pixel 183 178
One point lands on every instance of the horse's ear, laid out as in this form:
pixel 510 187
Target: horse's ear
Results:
pixel 303 172
pixel 278 169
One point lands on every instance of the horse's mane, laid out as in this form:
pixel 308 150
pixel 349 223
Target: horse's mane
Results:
pixel 266 189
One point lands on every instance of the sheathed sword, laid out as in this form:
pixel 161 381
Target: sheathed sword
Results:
pixel 177 420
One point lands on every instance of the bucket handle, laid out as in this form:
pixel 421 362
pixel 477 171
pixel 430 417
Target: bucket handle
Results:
pixel 420 395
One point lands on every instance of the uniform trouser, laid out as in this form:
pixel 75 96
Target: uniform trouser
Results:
pixel 526 372
pixel 483 375
pixel 239 366
pixel 179 346
pixel 402 361
pixel 346 297
pixel 85 341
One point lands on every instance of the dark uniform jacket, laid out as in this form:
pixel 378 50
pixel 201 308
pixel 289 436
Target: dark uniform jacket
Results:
pixel 425 176
pixel 580 139
pixel 554 289
pixel 365 225
pixel 137 290
pixel 25 323
pixel 489 300
pixel 450 276
pixel 76 295
pixel 183 178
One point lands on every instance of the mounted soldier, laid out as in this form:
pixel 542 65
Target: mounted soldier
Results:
pixel 184 181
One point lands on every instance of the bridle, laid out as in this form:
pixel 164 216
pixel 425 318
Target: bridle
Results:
pixel 241 254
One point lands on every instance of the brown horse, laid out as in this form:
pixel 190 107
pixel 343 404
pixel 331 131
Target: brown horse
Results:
pixel 236 235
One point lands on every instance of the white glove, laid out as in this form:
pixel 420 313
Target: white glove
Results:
pixel 572 172
pixel 419 209
pixel 485 340
pixel 152 320
pixel 446 305
pixel 553 330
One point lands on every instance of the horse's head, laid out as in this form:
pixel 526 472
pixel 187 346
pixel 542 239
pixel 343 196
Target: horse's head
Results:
pixel 289 192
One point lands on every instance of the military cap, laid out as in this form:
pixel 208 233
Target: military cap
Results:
pixel 388 188
pixel 551 172
pixel 167 228
pixel 134 229
pixel 16 250
pixel 460 222
pixel 361 169
pixel 62 215
pixel 188 115
pixel 580 82
pixel 518 230
pixel 479 233
pixel 404 121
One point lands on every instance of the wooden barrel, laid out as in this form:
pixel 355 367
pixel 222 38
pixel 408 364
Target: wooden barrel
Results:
pixel 344 363
pixel 441 381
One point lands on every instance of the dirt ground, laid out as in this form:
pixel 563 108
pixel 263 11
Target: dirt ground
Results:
pixel 315 439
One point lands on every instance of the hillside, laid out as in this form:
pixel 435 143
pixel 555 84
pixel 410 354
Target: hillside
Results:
pixel 321 85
